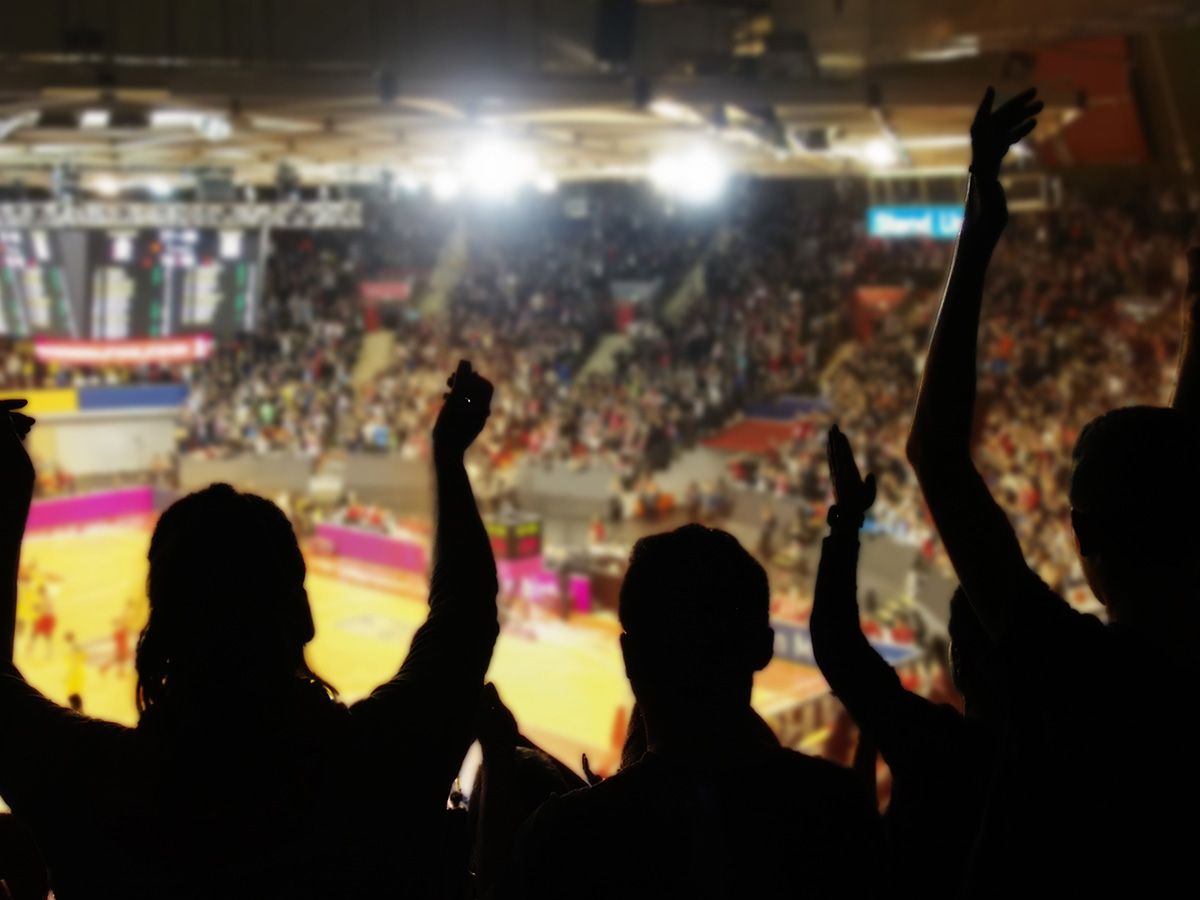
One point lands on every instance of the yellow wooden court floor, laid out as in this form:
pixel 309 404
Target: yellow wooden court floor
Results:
pixel 564 681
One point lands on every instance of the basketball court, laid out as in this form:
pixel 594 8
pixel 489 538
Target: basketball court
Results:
pixel 564 681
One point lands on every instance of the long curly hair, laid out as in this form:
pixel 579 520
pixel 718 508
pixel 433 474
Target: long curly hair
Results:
pixel 229 615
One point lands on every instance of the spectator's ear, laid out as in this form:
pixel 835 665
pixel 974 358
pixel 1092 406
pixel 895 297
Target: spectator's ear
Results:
pixel 763 649
pixel 308 630
pixel 628 650
pixel 1085 533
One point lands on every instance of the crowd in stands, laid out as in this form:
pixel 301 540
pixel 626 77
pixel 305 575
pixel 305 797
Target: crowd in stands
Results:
pixel 247 777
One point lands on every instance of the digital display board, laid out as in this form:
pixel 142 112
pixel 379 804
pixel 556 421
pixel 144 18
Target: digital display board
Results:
pixel 516 536
pixel 34 295
pixel 939 223
pixel 152 283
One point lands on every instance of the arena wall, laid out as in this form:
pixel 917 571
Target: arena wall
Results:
pixel 109 442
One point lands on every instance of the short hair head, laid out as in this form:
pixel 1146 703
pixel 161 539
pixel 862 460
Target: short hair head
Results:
pixel 228 609
pixel 695 609
pixel 1135 484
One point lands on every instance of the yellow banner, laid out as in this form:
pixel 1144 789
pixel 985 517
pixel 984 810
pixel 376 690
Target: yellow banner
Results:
pixel 42 402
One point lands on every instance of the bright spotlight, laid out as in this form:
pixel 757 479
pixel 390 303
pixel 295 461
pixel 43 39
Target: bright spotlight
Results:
pixel 697 176
pixel 445 187
pixel 106 186
pixel 159 187
pixel 546 183
pixel 880 154
pixel 496 169
pixel 92 119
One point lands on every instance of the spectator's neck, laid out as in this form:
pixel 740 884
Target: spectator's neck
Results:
pixel 710 734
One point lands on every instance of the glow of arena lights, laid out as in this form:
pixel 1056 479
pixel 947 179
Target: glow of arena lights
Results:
pixel 937 142
pixel 174 118
pixel 963 46
pixel 160 187
pixel 445 186
pixel 213 128
pixel 106 186
pixel 546 183
pixel 675 112
pixel 880 154
pixel 495 169
pixel 696 176
pixel 91 119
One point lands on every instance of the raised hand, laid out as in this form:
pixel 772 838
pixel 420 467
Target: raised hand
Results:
pixel 16 468
pixel 993 132
pixel 465 411
pixel 852 494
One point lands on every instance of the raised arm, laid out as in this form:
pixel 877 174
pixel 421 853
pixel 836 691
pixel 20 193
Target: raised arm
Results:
pixel 464 568
pixel 436 692
pixel 16 494
pixel 978 536
pixel 1187 383
pixel 858 676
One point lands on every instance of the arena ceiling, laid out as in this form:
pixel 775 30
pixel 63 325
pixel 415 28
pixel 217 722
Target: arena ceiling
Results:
pixel 344 89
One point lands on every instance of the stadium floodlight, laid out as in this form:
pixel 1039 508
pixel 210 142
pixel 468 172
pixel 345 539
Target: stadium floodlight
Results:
pixel 106 185
pixel 695 176
pixel 445 186
pixel 495 169
pixel 94 119
pixel 880 154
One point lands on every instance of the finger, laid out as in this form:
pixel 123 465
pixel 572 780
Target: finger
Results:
pixel 1017 134
pixel 1193 261
pixel 985 108
pixel 588 774
pixel 1015 103
pixel 22 424
pixel 13 403
pixel 831 455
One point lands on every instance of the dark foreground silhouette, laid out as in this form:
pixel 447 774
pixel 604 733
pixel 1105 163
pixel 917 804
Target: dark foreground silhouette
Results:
pixel 1092 794
pixel 245 776
pixel 715 807
pixel 1068 775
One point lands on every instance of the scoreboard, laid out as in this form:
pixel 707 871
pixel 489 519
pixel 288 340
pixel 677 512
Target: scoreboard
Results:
pixel 166 282
pixel 516 536
pixel 34 295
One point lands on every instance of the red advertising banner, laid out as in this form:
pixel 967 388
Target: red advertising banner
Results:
pixel 380 291
pixel 161 351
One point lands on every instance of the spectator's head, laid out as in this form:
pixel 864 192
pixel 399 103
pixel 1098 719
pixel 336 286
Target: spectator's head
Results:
pixel 694 608
pixel 229 615
pixel 970 650
pixel 1135 493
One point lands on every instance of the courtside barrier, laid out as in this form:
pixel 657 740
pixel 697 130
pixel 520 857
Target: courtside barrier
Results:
pixel 370 546
pixel 80 509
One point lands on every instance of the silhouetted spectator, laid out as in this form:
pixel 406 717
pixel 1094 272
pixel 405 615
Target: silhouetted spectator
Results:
pixel 245 777
pixel 715 803
pixel 941 762
pixel 1094 794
